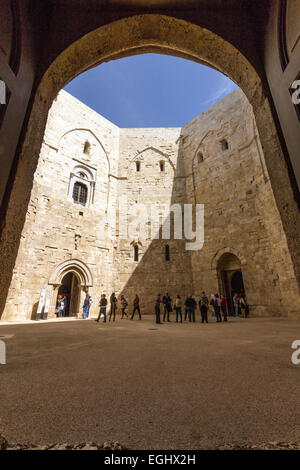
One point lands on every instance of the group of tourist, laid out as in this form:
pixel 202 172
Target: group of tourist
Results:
pixel 217 304
pixel 113 307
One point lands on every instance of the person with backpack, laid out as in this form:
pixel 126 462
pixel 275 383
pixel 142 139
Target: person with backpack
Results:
pixel 203 307
pixel 102 305
pixel 124 305
pixel 113 306
pixel 136 307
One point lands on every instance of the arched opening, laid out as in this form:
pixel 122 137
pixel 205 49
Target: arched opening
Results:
pixel 71 279
pixel 165 35
pixel 230 277
pixel 70 290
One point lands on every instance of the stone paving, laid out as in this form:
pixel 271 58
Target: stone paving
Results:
pixel 148 386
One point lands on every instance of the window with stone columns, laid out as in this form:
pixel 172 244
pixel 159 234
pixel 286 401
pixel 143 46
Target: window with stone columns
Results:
pixel 81 185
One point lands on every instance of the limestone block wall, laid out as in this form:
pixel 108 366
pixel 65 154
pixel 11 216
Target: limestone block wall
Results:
pixel 57 229
pixel 216 160
pixel 158 184
pixel 233 184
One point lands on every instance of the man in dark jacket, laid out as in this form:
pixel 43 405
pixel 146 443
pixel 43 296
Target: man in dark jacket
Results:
pixel 203 307
pixel 191 305
pixel 167 306
pixel 102 305
pixel 157 309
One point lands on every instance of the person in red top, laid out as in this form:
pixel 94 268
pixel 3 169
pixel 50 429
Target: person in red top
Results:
pixel 224 307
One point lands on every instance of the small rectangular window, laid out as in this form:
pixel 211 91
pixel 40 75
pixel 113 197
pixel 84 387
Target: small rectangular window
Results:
pixel 224 144
pixel 138 166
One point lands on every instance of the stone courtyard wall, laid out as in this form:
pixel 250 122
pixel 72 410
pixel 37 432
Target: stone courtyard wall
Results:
pixel 56 229
pixel 150 186
pixel 232 183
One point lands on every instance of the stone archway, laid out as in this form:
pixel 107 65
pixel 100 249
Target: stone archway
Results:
pixel 230 276
pixel 165 35
pixel 73 279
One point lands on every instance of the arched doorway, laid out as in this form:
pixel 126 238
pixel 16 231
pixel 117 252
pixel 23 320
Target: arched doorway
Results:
pixel 73 279
pixel 69 288
pixel 230 277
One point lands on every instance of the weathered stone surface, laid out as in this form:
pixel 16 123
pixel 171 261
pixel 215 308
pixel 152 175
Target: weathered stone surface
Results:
pixel 109 445
pixel 216 160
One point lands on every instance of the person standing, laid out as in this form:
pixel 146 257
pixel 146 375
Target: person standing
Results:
pixel 124 305
pixel 60 306
pixel 186 309
pixel 212 304
pixel 242 305
pixel 191 305
pixel 224 307
pixel 217 307
pixel 236 305
pixel 136 307
pixel 64 303
pixel 86 307
pixel 102 305
pixel 113 306
pixel 203 306
pixel 247 308
pixel 157 309
pixel 167 306
pixel 178 306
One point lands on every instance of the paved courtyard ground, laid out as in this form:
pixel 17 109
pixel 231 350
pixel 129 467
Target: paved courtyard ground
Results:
pixel 151 386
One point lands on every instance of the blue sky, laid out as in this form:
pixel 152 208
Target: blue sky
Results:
pixel 150 90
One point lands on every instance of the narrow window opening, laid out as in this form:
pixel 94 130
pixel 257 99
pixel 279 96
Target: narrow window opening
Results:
pixel 136 253
pixel 87 148
pixel 138 166
pixel 162 166
pixel 167 253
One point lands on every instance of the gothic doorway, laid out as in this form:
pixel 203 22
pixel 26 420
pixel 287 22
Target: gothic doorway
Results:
pixel 73 279
pixel 70 289
pixel 230 278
